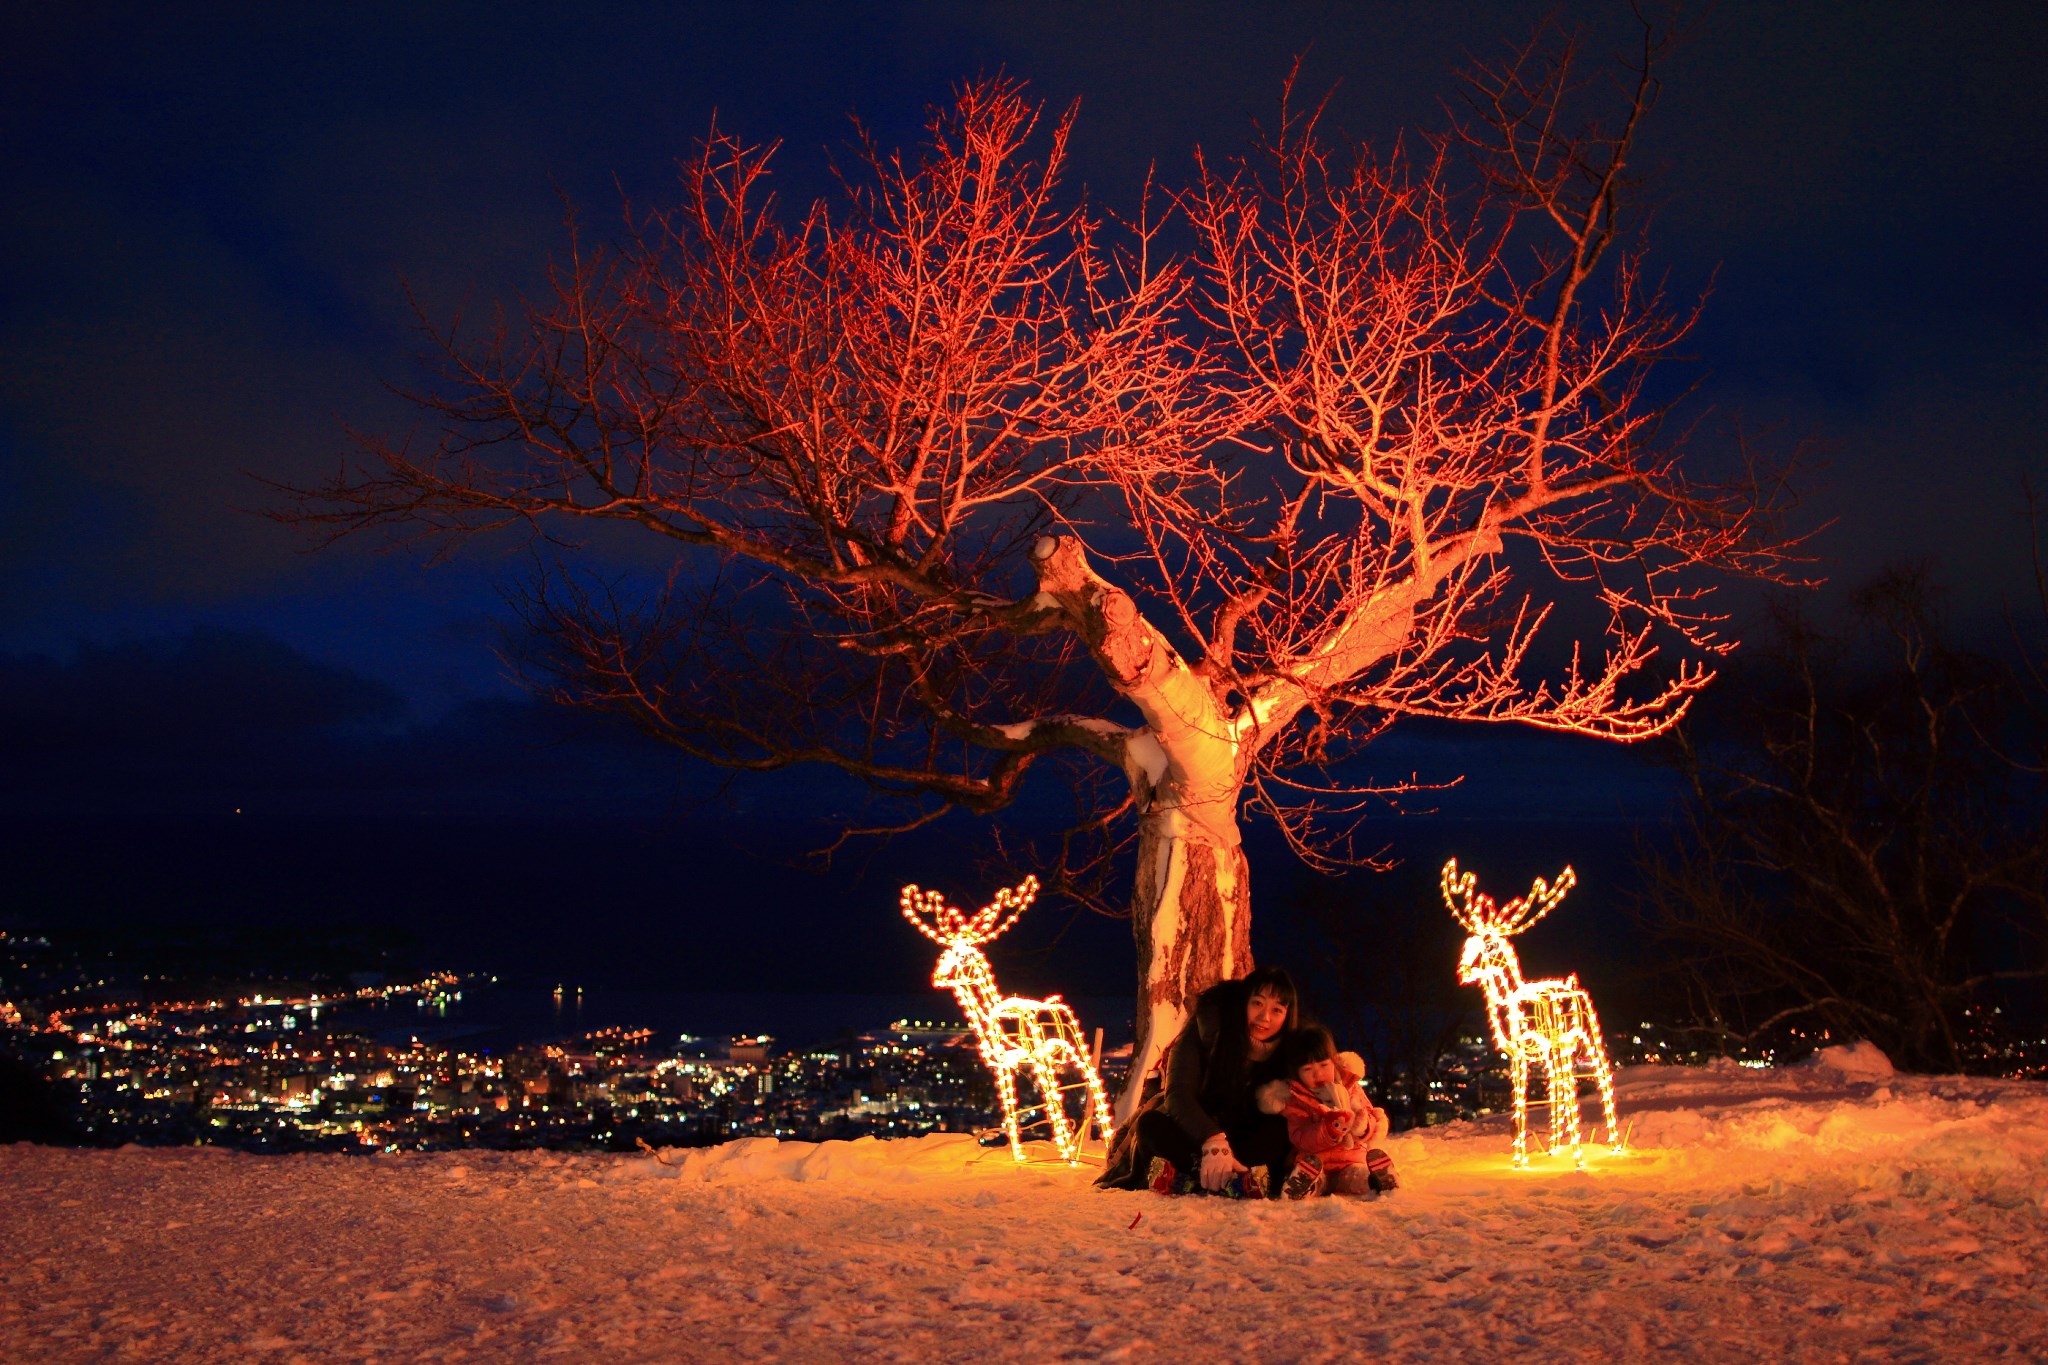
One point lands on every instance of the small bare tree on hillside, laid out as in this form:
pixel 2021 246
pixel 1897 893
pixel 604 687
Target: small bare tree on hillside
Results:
pixel 1865 856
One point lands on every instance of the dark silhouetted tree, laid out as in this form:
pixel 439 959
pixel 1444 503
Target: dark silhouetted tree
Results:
pixel 1864 855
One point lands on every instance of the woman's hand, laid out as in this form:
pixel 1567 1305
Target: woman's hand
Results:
pixel 1219 1163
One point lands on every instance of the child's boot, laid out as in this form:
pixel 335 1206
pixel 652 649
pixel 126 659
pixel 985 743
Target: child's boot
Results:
pixel 1305 1180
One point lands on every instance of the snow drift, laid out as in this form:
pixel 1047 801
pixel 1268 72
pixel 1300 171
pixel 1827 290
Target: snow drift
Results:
pixel 1824 1211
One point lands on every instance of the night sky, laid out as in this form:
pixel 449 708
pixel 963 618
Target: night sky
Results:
pixel 209 226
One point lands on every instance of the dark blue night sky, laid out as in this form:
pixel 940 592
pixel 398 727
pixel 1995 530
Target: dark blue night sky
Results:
pixel 207 233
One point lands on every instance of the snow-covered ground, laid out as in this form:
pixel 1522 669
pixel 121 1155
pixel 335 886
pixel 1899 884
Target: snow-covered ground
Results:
pixel 1806 1214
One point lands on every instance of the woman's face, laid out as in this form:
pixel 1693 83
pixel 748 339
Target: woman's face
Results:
pixel 1265 1014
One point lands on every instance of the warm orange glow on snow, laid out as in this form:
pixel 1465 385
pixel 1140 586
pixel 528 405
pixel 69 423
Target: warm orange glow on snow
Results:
pixel 1550 1023
pixel 1014 1032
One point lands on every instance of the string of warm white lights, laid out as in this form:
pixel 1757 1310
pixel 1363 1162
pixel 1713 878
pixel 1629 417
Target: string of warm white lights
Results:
pixel 1014 1033
pixel 1549 1023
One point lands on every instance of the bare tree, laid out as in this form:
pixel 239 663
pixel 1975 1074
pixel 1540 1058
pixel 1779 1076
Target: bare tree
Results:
pixel 1864 855
pixel 956 482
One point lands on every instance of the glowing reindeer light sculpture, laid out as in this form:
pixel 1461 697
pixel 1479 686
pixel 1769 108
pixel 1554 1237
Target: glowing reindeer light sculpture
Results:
pixel 1550 1023
pixel 1014 1032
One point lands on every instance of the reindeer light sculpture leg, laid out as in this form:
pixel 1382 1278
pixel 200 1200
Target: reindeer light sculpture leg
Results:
pixel 1603 1073
pixel 1550 1022
pixel 1518 1077
pixel 1013 1032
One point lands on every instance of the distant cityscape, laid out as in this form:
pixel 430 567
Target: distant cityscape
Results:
pixel 121 1054
pixel 297 1066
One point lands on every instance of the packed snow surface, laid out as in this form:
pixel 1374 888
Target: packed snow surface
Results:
pixel 1828 1212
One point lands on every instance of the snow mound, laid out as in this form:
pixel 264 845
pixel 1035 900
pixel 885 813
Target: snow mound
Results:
pixel 1798 1214
pixel 1859 1061
pixel 1838 1104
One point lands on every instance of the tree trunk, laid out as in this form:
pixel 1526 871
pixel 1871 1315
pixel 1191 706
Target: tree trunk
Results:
pixel 1191 911
pixel 1191 915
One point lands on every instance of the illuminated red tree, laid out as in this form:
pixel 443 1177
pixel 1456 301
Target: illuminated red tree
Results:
pixel 948 483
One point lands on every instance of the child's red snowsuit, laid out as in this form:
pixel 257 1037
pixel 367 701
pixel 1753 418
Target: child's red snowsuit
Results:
pixel 1337 1135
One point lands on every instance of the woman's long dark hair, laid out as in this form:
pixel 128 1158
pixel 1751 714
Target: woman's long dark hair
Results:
pixel 1230 1067
pixel 1276 980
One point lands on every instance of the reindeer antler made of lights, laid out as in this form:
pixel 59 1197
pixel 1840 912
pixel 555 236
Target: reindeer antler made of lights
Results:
pixel 947 927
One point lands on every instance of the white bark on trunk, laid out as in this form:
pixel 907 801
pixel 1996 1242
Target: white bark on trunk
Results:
pixel 1191 918
pixel 1191 908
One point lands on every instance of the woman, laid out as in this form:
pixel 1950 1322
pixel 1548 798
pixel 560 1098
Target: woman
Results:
pixel 1206 1126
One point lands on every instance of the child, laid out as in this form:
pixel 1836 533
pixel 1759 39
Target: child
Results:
pixel 1329 1120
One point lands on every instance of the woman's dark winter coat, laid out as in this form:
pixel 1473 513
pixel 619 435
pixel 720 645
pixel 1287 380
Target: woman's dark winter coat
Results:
pixel 1211 1088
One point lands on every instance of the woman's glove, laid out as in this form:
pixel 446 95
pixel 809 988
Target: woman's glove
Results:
pixel 1218 1163
pixel 1369 1125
